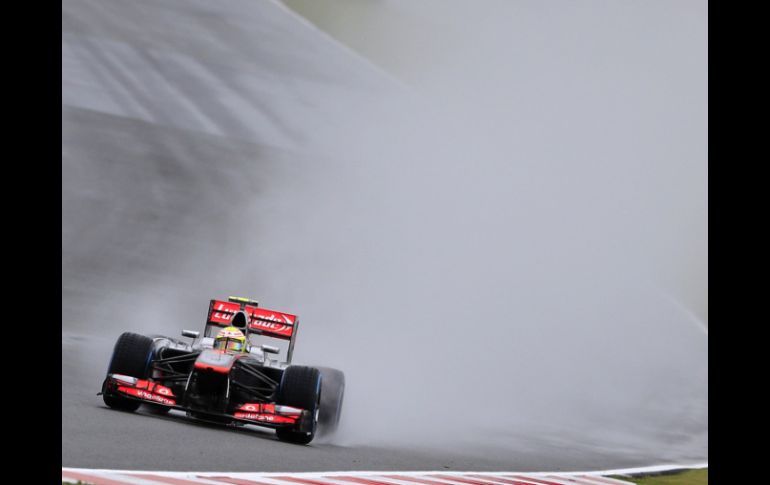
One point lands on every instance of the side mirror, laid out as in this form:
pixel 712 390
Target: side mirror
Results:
pixel 190 333
pixel 269 349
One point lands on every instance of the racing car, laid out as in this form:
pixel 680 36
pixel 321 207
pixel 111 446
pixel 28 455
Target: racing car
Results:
pixel 232 384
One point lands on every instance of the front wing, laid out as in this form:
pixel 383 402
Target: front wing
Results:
pixel 261 414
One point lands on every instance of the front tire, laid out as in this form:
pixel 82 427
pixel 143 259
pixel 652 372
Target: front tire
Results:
pixel 300 387
pixel 131 356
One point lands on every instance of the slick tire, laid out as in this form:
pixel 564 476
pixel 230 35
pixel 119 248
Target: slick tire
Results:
pixel 300 387
pixel 333 382
pixel 131 356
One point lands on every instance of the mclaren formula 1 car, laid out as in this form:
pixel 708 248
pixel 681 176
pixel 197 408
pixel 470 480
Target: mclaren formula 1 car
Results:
pixel 224 385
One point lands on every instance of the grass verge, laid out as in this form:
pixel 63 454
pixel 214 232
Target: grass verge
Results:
pixel 688 477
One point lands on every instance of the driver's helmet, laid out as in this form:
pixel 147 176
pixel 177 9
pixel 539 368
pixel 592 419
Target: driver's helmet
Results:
pixel 230 339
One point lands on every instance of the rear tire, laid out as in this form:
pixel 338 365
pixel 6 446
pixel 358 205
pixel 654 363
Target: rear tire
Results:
pixel 131 356
pixel 300 387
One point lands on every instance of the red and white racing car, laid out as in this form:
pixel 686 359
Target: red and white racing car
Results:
pixel 228 383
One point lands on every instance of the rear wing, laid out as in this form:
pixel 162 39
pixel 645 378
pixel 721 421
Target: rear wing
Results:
pixel 262 321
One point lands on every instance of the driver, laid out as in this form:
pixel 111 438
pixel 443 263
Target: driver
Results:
pixel 230 339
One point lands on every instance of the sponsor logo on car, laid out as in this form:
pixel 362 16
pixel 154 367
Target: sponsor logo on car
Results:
pixel 278 323
pixel 269 418
pixel 142 394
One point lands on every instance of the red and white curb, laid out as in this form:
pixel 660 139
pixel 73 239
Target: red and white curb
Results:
pixel 126 477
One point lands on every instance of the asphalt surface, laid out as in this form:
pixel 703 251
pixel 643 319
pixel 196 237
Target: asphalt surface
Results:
pixel 95 436
pixel 178 118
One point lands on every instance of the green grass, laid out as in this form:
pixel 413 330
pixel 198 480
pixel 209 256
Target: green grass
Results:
pixel 689 477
